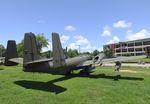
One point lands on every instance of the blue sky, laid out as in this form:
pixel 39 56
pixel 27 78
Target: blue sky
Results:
pixel 88 23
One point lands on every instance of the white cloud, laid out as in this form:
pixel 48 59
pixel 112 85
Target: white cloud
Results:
pixel 114 40
pixel 64 38
pixel 73 46
pixel 70 28
pixel 139 35
pixel 88 48
pixel 49 47
pixel 106 31
pixel 122 24
pixel 81 40
pixel 84 43
pixel 100 49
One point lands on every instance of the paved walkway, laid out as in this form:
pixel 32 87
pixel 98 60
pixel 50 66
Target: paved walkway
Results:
pixel 129 64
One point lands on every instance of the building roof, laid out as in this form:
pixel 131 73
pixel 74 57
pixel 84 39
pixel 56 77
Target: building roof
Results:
pixel 138 40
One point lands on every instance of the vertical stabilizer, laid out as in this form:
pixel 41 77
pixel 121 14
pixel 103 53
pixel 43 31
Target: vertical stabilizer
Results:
pixel 58 55
pixel 30 48
pixel 11 52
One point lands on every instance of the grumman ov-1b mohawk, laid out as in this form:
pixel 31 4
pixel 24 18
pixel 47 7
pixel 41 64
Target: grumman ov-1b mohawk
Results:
pixel 32 62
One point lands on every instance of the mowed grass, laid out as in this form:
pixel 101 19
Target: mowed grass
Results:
pixel 146 60
pixel 101 87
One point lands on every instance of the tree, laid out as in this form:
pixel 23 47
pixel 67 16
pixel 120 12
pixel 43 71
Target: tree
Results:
pixel 108 52
pixel 46 54
pixel 95 52
pixel 87 53
pixel 41 42
pixel 20 49
pixel 2 50
pixel 72 53
pixel 65 52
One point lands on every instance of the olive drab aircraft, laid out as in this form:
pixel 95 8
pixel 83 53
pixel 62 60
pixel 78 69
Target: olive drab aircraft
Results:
pixel 32 62
pixel 58 64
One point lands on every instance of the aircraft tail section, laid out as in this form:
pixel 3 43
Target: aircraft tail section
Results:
pixel 30 48
pixel 11 52
pixel 58 54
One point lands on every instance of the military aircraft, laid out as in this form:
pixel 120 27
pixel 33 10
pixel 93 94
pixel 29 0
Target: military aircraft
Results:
pixel 32 62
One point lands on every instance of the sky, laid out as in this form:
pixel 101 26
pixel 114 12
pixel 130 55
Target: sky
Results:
pixel 88 24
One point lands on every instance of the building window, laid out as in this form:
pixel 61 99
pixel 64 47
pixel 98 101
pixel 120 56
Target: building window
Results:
pixel 118 54
pixel 137 54
pixel 124 50
pixel 138 43
pixel 146 43
pixel 131 50
pixel 138 49
pixel 117 45
pixel 118 50
pixel 130 44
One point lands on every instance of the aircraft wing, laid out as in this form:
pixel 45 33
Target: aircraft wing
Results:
pixel 17 60
pixel 39 61
pixel 85 63
pixel 20 60
pixel 122 58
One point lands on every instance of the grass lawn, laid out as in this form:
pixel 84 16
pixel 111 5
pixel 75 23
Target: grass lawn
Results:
pixel 147 60
pixel 101 87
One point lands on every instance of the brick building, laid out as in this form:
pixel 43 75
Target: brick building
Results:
pixel 130 48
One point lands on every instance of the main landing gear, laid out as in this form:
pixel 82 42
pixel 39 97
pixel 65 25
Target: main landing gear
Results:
pixel 84 72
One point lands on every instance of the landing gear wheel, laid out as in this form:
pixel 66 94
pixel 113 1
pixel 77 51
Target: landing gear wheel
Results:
pixel 84 73
pixel 69 72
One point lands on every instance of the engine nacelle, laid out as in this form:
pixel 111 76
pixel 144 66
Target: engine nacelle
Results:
pixel 97 59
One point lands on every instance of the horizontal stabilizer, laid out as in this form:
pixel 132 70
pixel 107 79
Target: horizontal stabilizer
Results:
pixel 39 61
pixel 17 60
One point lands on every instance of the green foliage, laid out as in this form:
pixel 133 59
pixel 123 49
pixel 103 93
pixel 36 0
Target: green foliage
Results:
pixel 20 49
pixel 20 87
pixel 72 53
pixel 46 54
pixel 108 52
pixel 2 50
pixel 95 52
pixel 65 52
pixel 41 42
pixel 146 60
pixel 87 53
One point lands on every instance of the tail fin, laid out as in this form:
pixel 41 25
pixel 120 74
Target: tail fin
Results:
pixel 11 52
pixel 30 48
pixel 58 55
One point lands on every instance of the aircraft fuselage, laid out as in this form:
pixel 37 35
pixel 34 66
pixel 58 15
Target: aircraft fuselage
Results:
pixel 48 67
